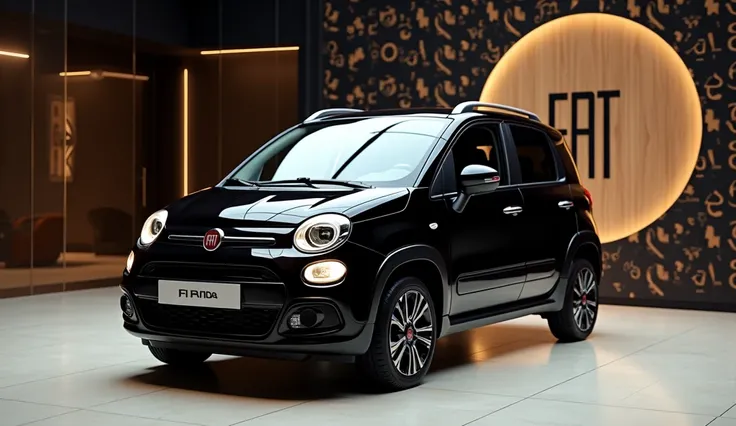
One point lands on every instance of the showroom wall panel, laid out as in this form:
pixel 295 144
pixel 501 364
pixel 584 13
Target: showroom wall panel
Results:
pixel 110 111
pixel 70 123
pixel 239 99
pixel 386 54
pixel 15 137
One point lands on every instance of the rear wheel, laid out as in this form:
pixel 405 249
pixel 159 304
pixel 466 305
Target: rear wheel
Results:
pixel 179 358
pixel 404 337
pixel 579 313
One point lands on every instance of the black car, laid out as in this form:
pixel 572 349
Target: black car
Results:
pixel 367 236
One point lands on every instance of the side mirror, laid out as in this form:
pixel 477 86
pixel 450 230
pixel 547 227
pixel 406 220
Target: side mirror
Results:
pixel 475 179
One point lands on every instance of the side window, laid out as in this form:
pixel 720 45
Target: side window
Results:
pixel 536 159
pixel 476 145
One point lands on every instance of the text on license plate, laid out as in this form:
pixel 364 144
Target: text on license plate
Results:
pixel 192 293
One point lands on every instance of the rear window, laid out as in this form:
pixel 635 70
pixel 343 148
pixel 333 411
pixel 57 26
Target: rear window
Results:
pixel 571 170
pixel 536 159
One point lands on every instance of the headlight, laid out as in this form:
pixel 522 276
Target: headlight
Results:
pixel 153 226
pixel 325 273
pixel 129 262
pixel 322 233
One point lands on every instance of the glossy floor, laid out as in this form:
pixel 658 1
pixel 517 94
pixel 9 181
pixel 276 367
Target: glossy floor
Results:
pixel 66 361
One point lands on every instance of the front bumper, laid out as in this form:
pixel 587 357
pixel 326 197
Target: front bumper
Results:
pixel 271 291
pixel 285 349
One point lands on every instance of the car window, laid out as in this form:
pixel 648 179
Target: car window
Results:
pixel 381 151
pixel 536 160
pixel 479 145
pixel 475 145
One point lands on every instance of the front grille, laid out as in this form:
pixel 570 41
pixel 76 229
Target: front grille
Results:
pixel 247 322
pixel 208 272
pixel 228 241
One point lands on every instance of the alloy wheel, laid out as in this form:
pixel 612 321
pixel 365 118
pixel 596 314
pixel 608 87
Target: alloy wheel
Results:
pixel 585 299
pixel 411 333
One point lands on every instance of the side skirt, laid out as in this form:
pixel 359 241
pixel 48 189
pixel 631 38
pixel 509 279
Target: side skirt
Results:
pixel 551 302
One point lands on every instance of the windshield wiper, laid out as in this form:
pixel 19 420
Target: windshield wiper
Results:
pixel 240 182
pixel 312 182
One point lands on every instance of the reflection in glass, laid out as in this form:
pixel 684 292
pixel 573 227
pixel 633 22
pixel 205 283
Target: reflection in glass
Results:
pixel 93 132
pixel 68 130
pixel 15 153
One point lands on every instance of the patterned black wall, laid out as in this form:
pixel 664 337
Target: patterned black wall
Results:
pixel 388 54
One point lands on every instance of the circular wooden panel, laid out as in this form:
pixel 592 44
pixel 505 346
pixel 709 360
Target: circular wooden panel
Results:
pixel 632 89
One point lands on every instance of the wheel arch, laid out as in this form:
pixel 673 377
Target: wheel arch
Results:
pixel 585 245
pixel 420 260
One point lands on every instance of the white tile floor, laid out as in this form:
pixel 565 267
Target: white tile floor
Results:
pixel 64 360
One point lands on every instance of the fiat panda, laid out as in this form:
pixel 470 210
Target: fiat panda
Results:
pixel 366 237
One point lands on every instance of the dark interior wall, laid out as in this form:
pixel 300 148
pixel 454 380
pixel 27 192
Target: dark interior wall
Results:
pixel 15 132
pixel 106 133
pixel 105 143
pixel 239 24
pixel 258 102
pixel 237 102
pixel 683 259
pixel 127 135
pixel 228 24
pixel 162 21
pixel 99 35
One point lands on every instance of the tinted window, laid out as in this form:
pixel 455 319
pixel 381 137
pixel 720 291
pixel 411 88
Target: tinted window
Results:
pixel 382 151
pixel 536 159
pixel 476 145
pixel 569 167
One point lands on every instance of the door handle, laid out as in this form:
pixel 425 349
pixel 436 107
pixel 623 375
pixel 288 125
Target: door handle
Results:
pixel 565 204
pixel 514 210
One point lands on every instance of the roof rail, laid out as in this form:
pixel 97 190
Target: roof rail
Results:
pixel 328 112
pixel 472 105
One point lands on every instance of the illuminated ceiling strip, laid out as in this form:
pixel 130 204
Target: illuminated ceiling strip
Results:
pixel 14 54
pixel 253 50
pixel 103 74
pixel 185 133
pixel 75 73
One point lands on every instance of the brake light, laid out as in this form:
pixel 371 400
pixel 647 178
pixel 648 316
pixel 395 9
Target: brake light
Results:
pixel 588 196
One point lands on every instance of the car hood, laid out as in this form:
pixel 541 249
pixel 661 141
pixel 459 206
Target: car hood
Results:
pixel 219 206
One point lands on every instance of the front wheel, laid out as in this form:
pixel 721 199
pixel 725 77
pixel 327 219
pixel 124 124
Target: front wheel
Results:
pixel 404 337
pixel 579 313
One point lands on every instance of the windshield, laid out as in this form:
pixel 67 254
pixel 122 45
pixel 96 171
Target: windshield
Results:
pixel 379 151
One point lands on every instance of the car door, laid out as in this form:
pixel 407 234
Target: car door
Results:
pixel 487 265
pixel 549 218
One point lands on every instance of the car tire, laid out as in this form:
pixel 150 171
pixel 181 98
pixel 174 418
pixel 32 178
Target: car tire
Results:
pixel 579 313
pixel 407 365
pixel 179 358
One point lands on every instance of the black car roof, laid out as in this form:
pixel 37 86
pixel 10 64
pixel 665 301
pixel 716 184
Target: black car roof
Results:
pixel 339 113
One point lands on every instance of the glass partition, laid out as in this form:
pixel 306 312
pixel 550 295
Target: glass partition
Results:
pixel 112 109
pixel 67 151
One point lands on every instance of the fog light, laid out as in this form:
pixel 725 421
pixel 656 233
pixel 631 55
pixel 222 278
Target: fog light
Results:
pixel 295 321
pixel 306 318
pixel 126 306
pixel 325 273
pixel 129 263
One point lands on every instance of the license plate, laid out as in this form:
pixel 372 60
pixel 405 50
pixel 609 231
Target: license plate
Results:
pixel 206 295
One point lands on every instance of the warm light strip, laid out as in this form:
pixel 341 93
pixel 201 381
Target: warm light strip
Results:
pixel 14 54
pixel 185 133
pixel 125 76
pixel 75 74
pixel 253 50
pixel 103 74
